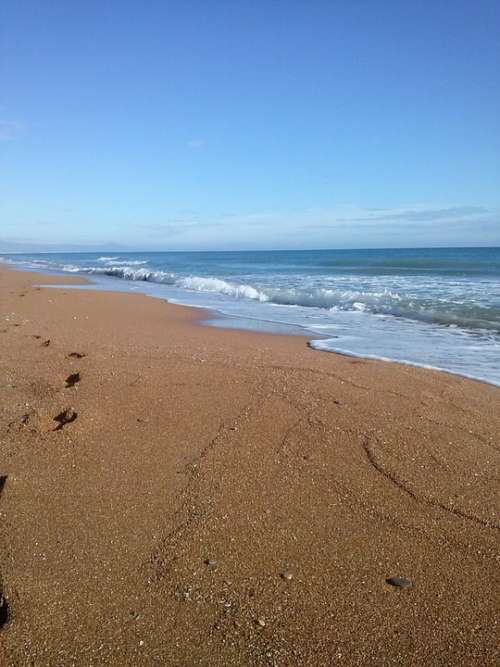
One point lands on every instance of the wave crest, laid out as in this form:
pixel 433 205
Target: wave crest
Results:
pixel 383 302
pixel 222 287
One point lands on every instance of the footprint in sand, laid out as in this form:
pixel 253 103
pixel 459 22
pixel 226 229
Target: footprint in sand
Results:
pixel 73 379
pixel 65 417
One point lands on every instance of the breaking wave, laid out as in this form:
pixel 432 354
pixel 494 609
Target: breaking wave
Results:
pixel 383 303
pixel 126 272
pixel 117 261
pixel 433 308
pixel 222 287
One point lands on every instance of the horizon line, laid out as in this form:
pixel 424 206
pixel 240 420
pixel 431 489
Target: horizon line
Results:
pixel 125 250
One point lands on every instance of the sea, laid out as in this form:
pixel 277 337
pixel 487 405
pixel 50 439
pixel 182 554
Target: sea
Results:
pixel 437 307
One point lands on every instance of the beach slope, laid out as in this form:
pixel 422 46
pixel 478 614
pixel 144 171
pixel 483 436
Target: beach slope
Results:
pixel 176 494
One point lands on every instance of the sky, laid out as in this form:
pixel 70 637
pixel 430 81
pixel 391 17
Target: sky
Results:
pixel 263 124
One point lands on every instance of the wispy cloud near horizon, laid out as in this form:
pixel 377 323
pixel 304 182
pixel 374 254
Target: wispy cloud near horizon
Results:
pixel 419 214
pixel 348 226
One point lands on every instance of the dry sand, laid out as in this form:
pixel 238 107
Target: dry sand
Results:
pixel 228 498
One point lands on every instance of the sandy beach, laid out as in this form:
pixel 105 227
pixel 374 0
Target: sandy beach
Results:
pixel 177 494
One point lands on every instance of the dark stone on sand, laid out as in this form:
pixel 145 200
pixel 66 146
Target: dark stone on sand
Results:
pixel 46 343
pixel 399 582
pixel 76 355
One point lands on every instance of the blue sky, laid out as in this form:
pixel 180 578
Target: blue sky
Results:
pixel 264 124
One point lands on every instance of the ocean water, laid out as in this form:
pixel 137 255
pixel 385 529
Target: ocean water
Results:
pixel 437 308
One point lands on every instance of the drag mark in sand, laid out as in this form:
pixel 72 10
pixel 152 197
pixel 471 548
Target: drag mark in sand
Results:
pixel 372 460
pixel 314 371
pixel 478 436
pixel 193 510
pixel 193 507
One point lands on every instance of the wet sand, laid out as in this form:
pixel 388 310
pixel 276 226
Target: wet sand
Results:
pixel 175 494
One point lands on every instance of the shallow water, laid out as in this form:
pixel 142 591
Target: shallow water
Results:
pixel 430 307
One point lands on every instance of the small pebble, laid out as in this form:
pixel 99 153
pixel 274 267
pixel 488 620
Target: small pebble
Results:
pixel 211 562
pixel 261 622
pixel 399 582
pixel 288 576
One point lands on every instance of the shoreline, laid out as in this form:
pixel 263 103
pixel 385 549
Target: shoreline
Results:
pixel 178 494
pixel 215 315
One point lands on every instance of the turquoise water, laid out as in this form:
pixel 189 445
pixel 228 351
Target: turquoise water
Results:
pixel 430 307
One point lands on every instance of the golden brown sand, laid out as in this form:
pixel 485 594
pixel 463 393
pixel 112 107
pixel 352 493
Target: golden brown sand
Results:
pixel 214 497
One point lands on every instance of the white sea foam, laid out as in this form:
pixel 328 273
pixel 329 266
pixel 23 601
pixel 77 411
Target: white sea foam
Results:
pixel 380 315
pixel 126 272
pixel 327 345
pixel 385 302
pixel 136 262
pixel 222 287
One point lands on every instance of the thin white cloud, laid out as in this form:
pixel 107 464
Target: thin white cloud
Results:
pixel 9 129
pixel 195 144
pixel 351 216
pixel 420 214
pixel 346 219
pixel 348 226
